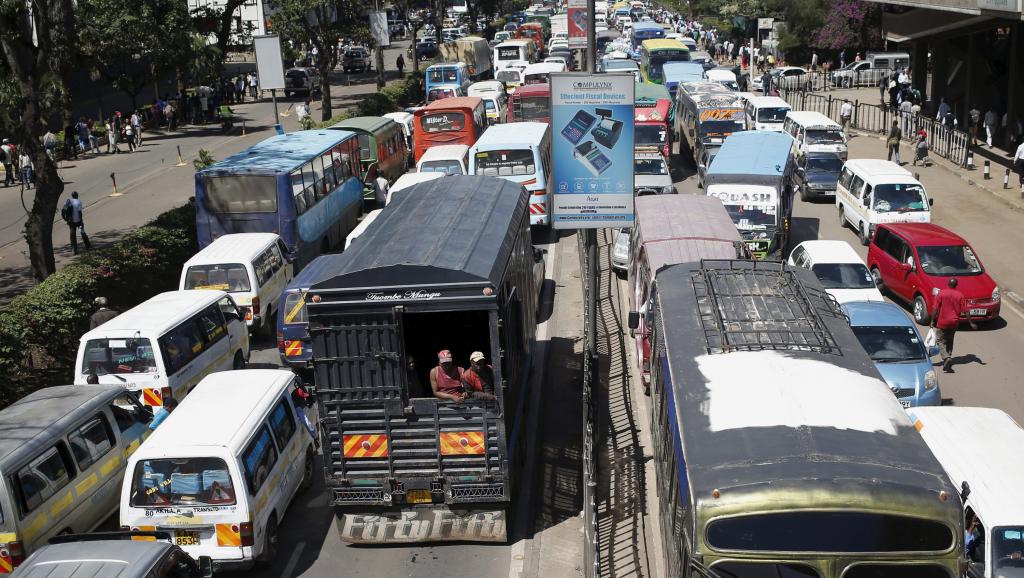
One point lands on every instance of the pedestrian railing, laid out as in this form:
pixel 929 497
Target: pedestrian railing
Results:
pixel 591 557
pixel 943 140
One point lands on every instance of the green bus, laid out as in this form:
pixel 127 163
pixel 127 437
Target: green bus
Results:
pixel 655 53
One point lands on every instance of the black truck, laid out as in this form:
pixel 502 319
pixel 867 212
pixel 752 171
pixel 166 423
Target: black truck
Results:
pixel 447 265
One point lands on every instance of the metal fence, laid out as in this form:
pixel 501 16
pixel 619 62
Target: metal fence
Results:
pixel 591 557
pixel 943 140
pixel 822 81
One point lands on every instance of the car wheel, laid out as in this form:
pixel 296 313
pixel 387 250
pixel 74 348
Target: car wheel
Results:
pixel 269 543
pixel 842 218
pixel 921 315
pixel 287 93
pixel 239 362
pixel 862 233
pixel 876 276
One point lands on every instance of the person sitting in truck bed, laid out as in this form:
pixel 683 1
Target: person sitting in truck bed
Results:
pixel 446 378
pixel 479 378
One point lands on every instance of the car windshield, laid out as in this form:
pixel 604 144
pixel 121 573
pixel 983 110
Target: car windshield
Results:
pixel 899 198
pixel 650 166
pixel 509 76
pixel 887 344
pixel 824 164
pixel 752 217
pixel 824 137
pixel 534 108
pixel 118 356
pixel 843 275
pixel 1007 548
pixel 448 167
pixel 650 134
pixel 947 260
pixel 231 277
pixel 182 482
pixel 771 114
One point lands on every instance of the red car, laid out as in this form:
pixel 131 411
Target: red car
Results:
pixel 913 261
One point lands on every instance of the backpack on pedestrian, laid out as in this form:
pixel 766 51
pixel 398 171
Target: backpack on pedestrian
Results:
pixel 65 212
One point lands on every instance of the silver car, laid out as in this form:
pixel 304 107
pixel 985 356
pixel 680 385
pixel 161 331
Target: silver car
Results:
pixel 651 175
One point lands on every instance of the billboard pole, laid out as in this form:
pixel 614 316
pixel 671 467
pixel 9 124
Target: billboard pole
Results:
pixel 590 238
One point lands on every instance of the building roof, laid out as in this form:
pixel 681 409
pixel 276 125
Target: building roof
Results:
pixel 926 234
pixel 33 420
pixel 684 229
pixel 455 230
pixel 773 391
pixel 233 248
pixel 217 412
pixel 972 445
pixel 753 153
pixel 158 313
pixel 280 153
pixel 94 558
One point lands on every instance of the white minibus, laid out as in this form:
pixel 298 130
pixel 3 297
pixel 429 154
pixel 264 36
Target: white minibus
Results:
pixel 165 345
pixel 814 132
pixel 220 472
pixel 540 72
pixel 519 152
pixel 765 112
pixel 445 159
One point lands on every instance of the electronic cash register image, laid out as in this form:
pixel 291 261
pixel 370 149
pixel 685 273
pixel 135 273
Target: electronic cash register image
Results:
pixel 605 132
pixel 591 157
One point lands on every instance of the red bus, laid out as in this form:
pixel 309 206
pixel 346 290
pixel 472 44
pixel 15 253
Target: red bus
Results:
pixel 652 130
pixel 534 31
pixel 530 102
pixel 457 120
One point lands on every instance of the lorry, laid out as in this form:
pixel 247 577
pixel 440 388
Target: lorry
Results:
pixel 474 51
pixel 707 113
pixel 752 175
pixel 447 270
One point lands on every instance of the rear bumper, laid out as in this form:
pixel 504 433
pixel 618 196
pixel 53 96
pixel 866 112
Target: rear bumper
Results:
pixel 434 523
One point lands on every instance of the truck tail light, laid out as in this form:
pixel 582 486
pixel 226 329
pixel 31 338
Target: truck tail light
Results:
pixel 280 342
pixel 245 531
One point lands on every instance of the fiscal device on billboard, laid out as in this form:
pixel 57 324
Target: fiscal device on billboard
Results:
pixel 592 158
pixel 578 126
pixel 269 64
pixel 607 132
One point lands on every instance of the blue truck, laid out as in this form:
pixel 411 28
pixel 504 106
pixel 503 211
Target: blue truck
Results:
pixel 752 175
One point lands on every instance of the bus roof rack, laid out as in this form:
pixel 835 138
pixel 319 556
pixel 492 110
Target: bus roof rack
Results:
pixel 758 305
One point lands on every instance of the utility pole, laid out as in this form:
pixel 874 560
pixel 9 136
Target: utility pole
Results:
pixel 590 235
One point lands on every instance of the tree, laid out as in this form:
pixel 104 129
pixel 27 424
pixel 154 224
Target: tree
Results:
pixel 36 50
pixel 848 24
pixel 322 23
pixel 218 22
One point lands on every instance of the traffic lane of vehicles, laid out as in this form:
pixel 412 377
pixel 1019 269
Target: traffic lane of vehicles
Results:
pixel 988 361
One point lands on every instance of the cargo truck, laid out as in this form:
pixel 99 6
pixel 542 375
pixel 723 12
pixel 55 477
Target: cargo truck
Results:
pixel 474 51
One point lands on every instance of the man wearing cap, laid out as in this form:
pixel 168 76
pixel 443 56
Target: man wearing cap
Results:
pixel 479 378
pixel 446 379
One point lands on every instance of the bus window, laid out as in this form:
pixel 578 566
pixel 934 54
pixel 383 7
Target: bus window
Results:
pixel 241 194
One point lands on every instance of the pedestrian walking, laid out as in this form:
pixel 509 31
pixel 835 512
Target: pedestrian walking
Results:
pixel 72 213
pixel 70 150
pixel 892 142
pixel 842 59
pixel 942 111
pixel 28 178
pixel 1018 165
pixel 50 143
pixel 240 89
pixel 252 86
pixel 116 127
pixel 973 120
pixel 129 136
pixel 169 115
pixel 845 114
pixel 302 113
pixel 991 118
pixel 7 157
pixel 949 304
pixel 400 65
pixel 883 83
pixel 109 126
pixel 766 84
pixel 102 313
pixel 905 107
pixel 82 128
pixel 136 122
pixel 814 62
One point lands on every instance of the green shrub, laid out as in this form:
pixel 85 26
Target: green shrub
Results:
pixel 39 330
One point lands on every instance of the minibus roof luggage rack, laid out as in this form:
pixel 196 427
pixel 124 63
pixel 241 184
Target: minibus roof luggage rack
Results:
pixel 758 305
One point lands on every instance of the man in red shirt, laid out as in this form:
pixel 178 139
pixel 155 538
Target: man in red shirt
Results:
pixel 479 378
pixel 946 320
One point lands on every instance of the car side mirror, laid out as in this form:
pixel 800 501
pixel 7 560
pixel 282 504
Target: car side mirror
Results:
pixel 206 566
pixel 634 320
pixel 931 202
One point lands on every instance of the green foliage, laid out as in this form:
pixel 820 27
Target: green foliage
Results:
pixel 204 160
pixel 39 330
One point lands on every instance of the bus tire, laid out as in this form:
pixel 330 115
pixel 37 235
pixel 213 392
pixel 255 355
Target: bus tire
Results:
pixel 270 539
pixel 307 472
pixel 239 362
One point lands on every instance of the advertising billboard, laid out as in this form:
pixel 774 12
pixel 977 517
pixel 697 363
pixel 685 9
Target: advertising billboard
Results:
pixel 577 18
pixel 269 64
pixel 592 155
pixel 379 28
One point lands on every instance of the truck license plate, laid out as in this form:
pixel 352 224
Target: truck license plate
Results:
pixel 419 497
pixel 905 403
pixel 979 312
pixel 186 538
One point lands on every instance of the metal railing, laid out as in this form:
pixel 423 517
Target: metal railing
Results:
pixel 591 557
pixel 943 140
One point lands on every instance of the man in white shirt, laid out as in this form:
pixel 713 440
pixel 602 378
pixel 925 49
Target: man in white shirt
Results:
pixel 1018 165
pixel 845 114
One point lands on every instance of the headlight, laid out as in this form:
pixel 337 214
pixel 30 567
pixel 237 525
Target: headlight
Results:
pixel 996 294
pixel 930 381
pixel 672 189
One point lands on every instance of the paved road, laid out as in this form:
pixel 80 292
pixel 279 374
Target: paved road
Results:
pixel 988 360
pixel 149 180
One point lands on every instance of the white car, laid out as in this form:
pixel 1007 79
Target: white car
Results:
pixel 786 77
pixel 651 175
pixel 557 60
pixel 841 271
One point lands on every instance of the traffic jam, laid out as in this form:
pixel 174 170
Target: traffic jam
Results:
pixel 796 415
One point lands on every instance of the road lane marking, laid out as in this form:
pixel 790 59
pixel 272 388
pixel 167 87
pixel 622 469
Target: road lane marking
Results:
pixel 293 561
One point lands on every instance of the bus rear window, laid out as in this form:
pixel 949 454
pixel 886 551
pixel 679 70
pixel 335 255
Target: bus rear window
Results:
pixel 182 482
pixel 505 163
pixel 534 108
pixel 230 277
pixel 240 194
pixel 118 356
pixel 829 532
pixel 444 122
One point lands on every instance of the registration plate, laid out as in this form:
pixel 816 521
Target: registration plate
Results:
pixel 186 538
pixel 905 403
pixel 979 312
pixel 419 497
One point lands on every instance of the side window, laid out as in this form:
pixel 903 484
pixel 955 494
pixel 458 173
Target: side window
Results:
pixel 275 258
pixel 181 345
pixel 42 478
pixel 856 185
pixel 799 255
pixel 90 441
pixel 845 178
pixel 867 196
pixel 127 412
pixel 263 269
pixel 282 420
pixel 297 188
pixel 211 320
pixel 259 458
pixel 881 238
pixel 329 178
pixel 227 306
pixel 896 248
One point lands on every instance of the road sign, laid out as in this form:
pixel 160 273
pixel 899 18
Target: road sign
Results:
pixel 765 23
pixel 593 150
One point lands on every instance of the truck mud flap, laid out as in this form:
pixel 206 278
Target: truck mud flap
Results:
pixel 437 524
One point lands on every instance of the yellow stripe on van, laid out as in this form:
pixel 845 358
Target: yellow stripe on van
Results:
pixel 85 484
pixel 109 465
pixel 260 502
pixel 29 531
pixel 131 448
pixel 8 537
pixel 62 504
